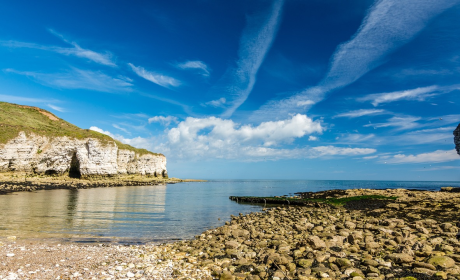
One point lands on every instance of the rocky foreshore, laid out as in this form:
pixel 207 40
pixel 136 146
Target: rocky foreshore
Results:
pixel 414 236
pixel 17 182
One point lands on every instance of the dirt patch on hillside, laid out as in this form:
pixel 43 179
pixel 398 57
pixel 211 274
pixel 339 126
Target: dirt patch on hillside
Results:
pixel 49 115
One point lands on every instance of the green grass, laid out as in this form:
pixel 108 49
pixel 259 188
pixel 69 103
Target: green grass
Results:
pixel 16 118
pixel 344 200
pixel 334 201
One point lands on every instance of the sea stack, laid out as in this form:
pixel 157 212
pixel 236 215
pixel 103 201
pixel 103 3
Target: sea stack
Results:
pixel 457 139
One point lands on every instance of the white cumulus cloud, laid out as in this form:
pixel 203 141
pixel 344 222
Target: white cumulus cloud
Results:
pixel 213 138
pixel 100 130
pixel 269 133
pixel 166 121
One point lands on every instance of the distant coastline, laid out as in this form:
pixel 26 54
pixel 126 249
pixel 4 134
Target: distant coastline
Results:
pixel 22 181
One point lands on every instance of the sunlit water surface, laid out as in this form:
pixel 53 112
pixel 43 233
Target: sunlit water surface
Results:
pixel 151 213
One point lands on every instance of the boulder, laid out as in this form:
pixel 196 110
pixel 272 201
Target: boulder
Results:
pixel 442 261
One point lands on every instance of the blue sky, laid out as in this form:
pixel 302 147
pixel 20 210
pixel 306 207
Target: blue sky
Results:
pixel 280 89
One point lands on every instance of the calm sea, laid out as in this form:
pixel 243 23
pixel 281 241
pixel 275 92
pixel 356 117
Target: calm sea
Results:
pixel 151 213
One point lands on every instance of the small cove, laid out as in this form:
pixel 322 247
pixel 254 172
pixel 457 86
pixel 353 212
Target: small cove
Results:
pixel 157 213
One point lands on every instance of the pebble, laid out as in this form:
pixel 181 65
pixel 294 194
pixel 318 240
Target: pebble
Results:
pixel 309 242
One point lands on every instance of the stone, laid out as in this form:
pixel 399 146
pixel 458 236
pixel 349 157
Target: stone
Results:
pixel 305 263
pixel 401 258
pixel 231 244
pixel 441 261
pixel 424 265
pixel 315 242
pixel 226 275
pixel 457 139
pixel 350 225
pixel 423 271
pixel 342 262
pixel 440 275
pixel 370 262
pixel 372 245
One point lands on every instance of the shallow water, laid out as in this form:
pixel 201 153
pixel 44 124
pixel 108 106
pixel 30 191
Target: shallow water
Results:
pixel 151 213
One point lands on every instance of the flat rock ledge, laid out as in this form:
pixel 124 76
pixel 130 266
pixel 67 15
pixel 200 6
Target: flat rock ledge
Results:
pixel 415 236
pixel 19 182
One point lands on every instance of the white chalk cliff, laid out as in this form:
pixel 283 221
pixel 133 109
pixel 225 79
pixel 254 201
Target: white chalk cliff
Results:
pixel 79 157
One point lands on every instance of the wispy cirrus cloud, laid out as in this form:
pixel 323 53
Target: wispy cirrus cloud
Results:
pixel 404 122
pixel 121 128
pixel 200 66
pixel 79 79
pixel 400 122
pixel 388 25
pixel 340 151
pixel 21 99
pixel 105 58
pixel 57 108
pixel 361 113
pixel 353 138
pixel 438 168
pixel 418 94
pixel 436 156
pixel 156 78
pixel 256 40
pixel 215 103
pixel 439 135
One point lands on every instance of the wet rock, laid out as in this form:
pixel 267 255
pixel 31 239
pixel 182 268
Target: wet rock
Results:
pixel 424 265
pixel 315 242
pixel 441 261
pixel 305 263
pixel 401 258
pixel 457 139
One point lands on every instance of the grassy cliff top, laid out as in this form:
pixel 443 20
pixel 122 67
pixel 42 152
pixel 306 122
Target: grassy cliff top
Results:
pixel 16 118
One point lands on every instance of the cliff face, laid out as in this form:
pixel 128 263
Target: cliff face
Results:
pixel 457 139
pixel 79 157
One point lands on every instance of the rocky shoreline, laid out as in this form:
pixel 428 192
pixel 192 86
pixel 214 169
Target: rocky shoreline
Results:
pixel 414 236
pixel 17 182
